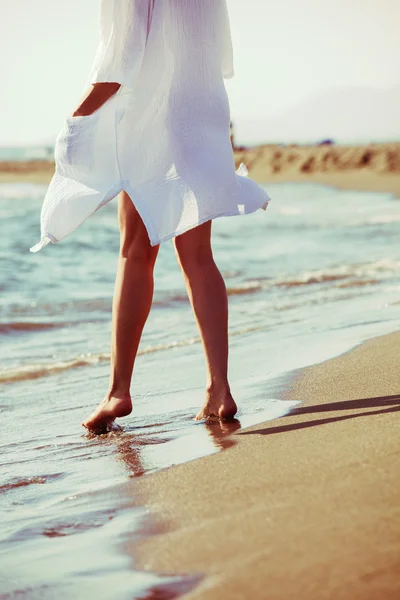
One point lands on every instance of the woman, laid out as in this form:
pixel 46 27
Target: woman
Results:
pixel 154 128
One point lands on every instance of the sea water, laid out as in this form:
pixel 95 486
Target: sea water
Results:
pixel 313 276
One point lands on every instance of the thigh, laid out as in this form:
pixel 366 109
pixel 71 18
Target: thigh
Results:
pixel 134 236
pixel 195 244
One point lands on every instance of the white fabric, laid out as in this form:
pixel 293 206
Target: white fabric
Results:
pixel 164 137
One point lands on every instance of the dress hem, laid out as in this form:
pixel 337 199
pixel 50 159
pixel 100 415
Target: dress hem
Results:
pixel 202 221
pixel 148 222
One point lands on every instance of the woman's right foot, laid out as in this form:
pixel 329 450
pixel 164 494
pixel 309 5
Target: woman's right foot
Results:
pixel 113 406
pixel 218 405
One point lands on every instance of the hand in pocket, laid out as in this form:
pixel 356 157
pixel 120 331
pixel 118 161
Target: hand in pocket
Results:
pixel 95 97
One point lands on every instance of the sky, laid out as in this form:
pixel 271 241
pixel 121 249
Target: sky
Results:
pixel 295 61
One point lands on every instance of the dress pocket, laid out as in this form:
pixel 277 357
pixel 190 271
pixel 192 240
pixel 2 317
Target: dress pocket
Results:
pixel 76 144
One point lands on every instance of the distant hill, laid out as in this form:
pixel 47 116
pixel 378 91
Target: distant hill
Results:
pixel 356 114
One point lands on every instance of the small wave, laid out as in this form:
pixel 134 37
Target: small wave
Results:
pixel 98 305
pixel 312 278
pixel 22 191
pixel 358 283
pixel 64 529
pixel 246 288
pixel 25 481
pixel 55 309
pixel 249 287
pixel 345 276
pixel 28 326
pixel 359 274
pixel 36 371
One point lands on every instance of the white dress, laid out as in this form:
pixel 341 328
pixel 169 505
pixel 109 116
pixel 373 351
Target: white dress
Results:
pixel 164 136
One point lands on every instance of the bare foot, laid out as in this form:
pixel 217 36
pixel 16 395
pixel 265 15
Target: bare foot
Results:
pixel 113 406
pixel 218 405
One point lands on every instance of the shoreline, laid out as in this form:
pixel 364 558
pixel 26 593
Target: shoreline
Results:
pixel 305 505
pixel 370 167
pixel 350 180
pixel 311 284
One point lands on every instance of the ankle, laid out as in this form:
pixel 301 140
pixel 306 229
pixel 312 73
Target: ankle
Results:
pixel 119 391
pixel 218 388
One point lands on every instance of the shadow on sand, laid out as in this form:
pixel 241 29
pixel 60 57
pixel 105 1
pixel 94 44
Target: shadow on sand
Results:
pixel 392 402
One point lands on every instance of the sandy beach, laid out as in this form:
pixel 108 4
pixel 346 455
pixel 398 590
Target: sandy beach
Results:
pixel 30 171
pixel 304 507
pixel 374 167
pixel 298 496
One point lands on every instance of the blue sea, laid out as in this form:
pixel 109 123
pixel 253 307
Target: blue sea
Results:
pixel 316 274
pixel 22 153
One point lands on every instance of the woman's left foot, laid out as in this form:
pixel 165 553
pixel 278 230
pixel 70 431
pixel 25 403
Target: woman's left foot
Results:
pixel 113 406
pixel 221 406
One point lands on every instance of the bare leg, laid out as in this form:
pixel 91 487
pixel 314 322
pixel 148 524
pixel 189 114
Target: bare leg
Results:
pixel 207 294
pixel 131 305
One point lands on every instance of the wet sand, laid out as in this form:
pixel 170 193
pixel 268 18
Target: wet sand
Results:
pixel 305 507
pixel 374 167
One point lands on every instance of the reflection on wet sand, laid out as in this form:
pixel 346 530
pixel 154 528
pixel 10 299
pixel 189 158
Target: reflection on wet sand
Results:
pixel 130 448
pixel 219 432
pixel 136 451
pixel 155 446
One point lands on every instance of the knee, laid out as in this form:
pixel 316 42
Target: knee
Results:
pixel 138 250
